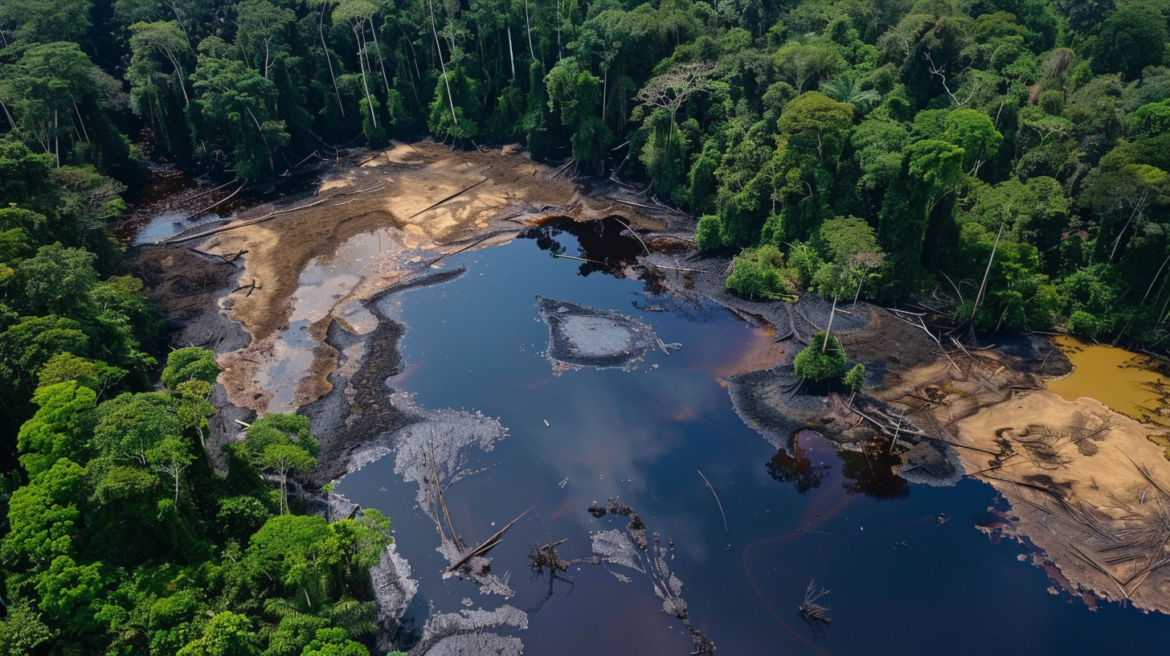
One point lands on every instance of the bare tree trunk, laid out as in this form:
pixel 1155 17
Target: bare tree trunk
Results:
pixel 362 65
pixel 178 74
pixel 511 55
pixel 983 285
pixel 1138 208
pixel 829 328
pixel 8 114
pixel 328 59
pixel 604 91
pixel 1156 276
pixel 81 121
pixel 283 491
pixel 528 23
pixel 439 50
pixel 381 64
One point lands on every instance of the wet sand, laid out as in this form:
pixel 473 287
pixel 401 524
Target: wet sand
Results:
pixel 1123 380
pixel 373 223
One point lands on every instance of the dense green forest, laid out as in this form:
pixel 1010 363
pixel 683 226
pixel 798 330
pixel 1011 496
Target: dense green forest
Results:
pixel 1005 160
pixel 951 128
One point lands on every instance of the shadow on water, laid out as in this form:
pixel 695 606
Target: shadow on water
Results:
pixel 869 472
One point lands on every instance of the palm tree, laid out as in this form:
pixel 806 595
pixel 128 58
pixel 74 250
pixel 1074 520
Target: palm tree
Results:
pixel 846 88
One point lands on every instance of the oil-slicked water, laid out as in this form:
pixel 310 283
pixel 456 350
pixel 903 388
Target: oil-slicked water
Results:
pixel 908 571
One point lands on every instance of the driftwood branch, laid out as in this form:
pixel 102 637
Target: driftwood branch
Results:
pixel 488 544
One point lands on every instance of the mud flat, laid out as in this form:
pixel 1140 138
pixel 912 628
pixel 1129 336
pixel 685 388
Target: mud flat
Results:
pixel 301 302
pixel 1088 486
pixel 287 293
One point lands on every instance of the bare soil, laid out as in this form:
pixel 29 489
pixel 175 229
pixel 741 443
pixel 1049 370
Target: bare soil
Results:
pixel 1086 484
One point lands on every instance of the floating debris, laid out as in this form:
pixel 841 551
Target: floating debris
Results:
pixel 812 612
pixel 447 634
pixel 633 550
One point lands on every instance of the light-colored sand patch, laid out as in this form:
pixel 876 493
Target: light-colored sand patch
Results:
pixel 1085 485
pixel 379 219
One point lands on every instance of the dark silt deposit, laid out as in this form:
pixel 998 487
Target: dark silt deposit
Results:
pixel 585 337
pixel 489 464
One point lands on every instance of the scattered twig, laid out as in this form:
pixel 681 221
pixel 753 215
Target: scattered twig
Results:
pixel 717 502
pixel 250 287
pixel 810 609
pixel 579 259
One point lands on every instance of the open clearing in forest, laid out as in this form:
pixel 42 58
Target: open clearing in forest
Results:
pixel 421 201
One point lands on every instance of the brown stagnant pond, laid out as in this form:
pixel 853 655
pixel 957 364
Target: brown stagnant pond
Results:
pixel 908 569
pixel 1127 382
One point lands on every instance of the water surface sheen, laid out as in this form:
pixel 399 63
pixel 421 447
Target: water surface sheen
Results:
pixel 476 343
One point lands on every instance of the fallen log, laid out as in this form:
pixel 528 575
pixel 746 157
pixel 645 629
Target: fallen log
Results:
pixel 269 216
pixel 444 200
pixel 488 544
pixel 218 202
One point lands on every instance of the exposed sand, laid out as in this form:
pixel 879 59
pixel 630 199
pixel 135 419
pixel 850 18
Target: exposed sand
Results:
pixel 1088 485
pixel 423 199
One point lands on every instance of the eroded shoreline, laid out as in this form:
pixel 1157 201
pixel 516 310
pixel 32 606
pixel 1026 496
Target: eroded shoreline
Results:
pixel 952 399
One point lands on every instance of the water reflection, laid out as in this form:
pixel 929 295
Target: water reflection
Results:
pixel 643 436
pixel 871 472
pixel 598 242
pixel 798 468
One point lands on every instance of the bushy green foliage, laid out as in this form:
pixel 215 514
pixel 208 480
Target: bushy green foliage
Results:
pixel 855 379
pixel 758 274
pixel 1083 324
pixel 707 234
pixel 187 364
pixel 820 360
pixel 876 149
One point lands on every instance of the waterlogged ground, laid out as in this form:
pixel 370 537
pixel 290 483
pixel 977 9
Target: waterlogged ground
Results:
pixel 908 570
pixel 1120 379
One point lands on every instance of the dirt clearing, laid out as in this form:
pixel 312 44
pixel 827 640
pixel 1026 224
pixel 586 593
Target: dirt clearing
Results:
pixel 374 221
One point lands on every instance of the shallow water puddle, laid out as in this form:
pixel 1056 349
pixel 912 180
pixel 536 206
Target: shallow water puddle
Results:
pixel 908 570
pixel 1120 379
pixel 325 289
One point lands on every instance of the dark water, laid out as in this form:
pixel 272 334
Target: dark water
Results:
pixel 476 343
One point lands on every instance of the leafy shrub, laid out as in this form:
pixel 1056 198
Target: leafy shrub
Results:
pixel 1083 324
pixel 708 235
pixel 820 361
pixel 191 363
pixel 855 379
pixel 757 274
